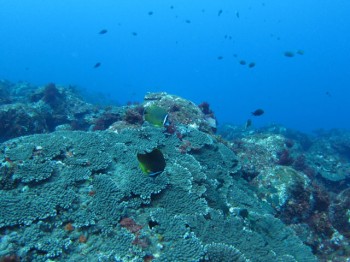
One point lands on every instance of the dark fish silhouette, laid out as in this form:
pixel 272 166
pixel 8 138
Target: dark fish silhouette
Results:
pixel 220 57
pixel 188 21
pixel 289 54
pixel 150 13
pixel 258 112
pixel 103 31
pixel 242 62
pixel 251 65
pixel 237 14
pixel 220 12
pixel 97 65
pixel 134 33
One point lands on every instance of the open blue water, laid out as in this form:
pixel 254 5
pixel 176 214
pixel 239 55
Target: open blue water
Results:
pixel 177 49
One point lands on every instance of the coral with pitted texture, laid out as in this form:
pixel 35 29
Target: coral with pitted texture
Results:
pixel 86 196
pixel 92 181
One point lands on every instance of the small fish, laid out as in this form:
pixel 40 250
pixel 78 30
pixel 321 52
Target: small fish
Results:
pixel 288 53
pixel 242 62
pixel 220 57
pixel 171 7
pixel 237 14
pixel 97 65
pixel 150 13
pixel 251 65
pixel 258 112
pixel 134 33
pixel 103 31
pixel 188 21
pixel 248 123
pixel 220 12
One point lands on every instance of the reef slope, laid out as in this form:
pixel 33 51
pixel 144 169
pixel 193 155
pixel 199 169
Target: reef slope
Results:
pixel 81 196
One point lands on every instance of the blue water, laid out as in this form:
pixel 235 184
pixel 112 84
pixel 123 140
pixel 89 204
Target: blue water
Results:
pixel 59 41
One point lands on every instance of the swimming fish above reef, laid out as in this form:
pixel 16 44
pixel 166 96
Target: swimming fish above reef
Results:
pixel 97 65
pixel 152 163
pixel 103 31
pixel 258 112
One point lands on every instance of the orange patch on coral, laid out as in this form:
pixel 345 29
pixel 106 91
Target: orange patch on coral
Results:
pixel 69 227
pixel 82 239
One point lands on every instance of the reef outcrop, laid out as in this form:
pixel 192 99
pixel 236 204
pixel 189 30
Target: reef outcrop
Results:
pixel 82 196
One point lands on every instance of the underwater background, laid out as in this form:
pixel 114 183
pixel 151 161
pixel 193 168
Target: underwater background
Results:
pixel 298 52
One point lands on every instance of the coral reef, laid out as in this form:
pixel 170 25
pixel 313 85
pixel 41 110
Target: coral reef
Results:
pixel 80 182
pixel 304 179
pixel 89 184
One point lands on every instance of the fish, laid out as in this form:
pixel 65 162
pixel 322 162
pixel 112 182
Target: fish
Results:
pixel 103 31
pixel 237 14
pixel 258 112
pixel 248 123
pixel 220 57
pixel 150 13
pixel 242 62
pixel 288 53
pixel 98 64
pixel 251 65
pixel 188 21
pixel 134 33
pixel 220 12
